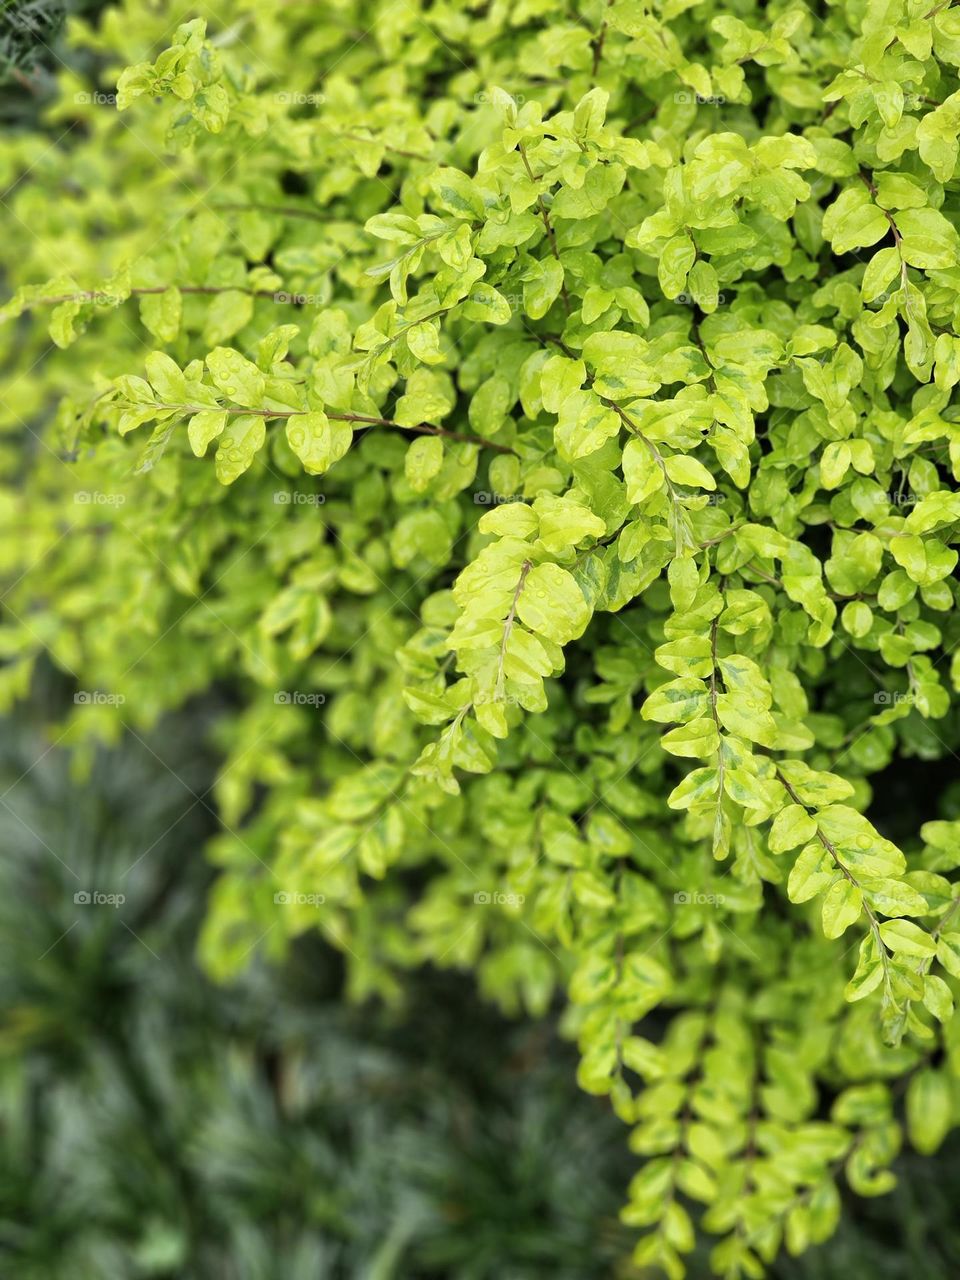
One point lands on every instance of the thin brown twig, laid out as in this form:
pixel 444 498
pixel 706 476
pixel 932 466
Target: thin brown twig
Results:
pixel 508 626
pixel 362 419
pixel 598 43
pixel 93 295
pixel 871 187
pixel 397 151
pixel 548 225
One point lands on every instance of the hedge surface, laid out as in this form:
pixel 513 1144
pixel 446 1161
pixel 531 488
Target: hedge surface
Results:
pixel 624 341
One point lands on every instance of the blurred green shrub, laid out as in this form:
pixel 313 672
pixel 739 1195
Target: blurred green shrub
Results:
pixel 154 1125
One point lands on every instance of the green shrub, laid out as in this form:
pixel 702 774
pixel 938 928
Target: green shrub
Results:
pixel 624 344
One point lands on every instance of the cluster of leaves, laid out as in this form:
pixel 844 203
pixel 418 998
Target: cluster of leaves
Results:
pixel 684 316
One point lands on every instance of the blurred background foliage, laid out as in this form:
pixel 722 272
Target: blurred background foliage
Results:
pixel 32 51
pixel 155 1125
pixel 152 1124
